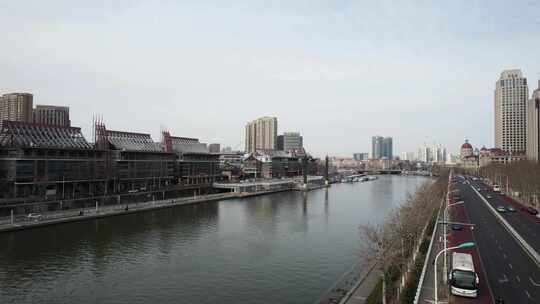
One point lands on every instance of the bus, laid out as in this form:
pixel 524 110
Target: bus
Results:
pixel 463 279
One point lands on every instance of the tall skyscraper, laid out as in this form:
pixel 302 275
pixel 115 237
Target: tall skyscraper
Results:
pixel 52 115
pixel 16 107
pixel 381 147
pixel 511 94
pixel 388 149
pixel 533 126
pixel 438 154
pixel 424 154
pixel 261 134
pixel 376 147
pixel 290 141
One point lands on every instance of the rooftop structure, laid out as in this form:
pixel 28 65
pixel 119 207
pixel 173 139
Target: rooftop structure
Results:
pixel 24 134
pixel 52 115
pixel 129 141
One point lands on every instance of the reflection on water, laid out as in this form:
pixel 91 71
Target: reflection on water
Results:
pixel 282 248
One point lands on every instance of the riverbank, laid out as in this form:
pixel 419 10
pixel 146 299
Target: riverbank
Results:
pixel 410 227
pixel 61 217
pixel 288 247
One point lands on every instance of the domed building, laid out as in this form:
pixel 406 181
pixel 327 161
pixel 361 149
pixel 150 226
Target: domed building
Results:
pixel 467 156
pixel 466 150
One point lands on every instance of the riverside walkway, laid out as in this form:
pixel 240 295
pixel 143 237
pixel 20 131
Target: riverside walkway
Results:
pixel 354 287
pixel 23 221
pixel 57 217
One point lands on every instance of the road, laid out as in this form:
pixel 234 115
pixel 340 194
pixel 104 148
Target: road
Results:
pixel 459 214
pixel 523 222
pixel 512 274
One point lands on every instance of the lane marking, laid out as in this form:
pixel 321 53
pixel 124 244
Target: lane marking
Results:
pixel 528 295
pixel 504 280
pixel 533 282
pixel 518 279
pixel 505 256
pixel 511 267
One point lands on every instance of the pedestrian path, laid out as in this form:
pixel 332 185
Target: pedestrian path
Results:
pixel 428 287
pixel 362 292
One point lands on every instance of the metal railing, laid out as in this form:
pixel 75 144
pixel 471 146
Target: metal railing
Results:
pixel 41 218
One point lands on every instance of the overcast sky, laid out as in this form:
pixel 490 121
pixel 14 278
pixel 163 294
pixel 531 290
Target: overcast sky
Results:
pixel 337 71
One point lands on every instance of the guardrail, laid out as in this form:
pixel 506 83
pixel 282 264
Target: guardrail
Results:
pixel 528 248
pixel 24 221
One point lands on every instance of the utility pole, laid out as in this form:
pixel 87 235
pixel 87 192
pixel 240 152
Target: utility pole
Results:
pixel 304 165
pixel 326 179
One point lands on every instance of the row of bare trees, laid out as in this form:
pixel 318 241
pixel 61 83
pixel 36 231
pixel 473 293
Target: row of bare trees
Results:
pixel 395 244
pixel 520 179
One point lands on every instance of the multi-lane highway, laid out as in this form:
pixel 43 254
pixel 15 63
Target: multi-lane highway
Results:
pixel 512 274
pixel 524 223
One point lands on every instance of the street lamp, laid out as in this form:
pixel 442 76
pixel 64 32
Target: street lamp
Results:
pixel 461 246
pixel 445 215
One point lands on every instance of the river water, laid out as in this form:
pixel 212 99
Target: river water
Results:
pixel 288 247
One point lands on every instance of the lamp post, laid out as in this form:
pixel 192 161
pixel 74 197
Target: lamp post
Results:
pixel 445 215
pixel 461 246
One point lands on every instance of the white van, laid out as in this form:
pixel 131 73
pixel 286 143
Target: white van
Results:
pixel 463 279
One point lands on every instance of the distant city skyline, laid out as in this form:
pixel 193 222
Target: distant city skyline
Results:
pixel 324 69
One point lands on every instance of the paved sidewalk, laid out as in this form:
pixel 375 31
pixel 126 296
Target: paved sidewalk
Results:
pixel 363 291
pixel 427 295
pixel 57 217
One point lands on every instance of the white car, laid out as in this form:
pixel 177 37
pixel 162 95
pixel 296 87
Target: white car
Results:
pixel 35 217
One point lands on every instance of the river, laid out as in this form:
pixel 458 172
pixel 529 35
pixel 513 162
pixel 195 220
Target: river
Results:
pixel 288 247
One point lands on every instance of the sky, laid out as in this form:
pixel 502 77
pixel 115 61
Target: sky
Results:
pixel 337 71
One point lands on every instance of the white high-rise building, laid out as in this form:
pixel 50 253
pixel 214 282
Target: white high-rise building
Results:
pixel 533 126
pixel 438 154
pixel 511 94
pixel 424 154
pixel 408 156
pixel 434 154
pixel 261 134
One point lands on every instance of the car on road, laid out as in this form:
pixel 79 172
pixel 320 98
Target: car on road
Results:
pixel 510 209
pixel 35 217
pixel 457 227
pixel 532 211
pixel 501 209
